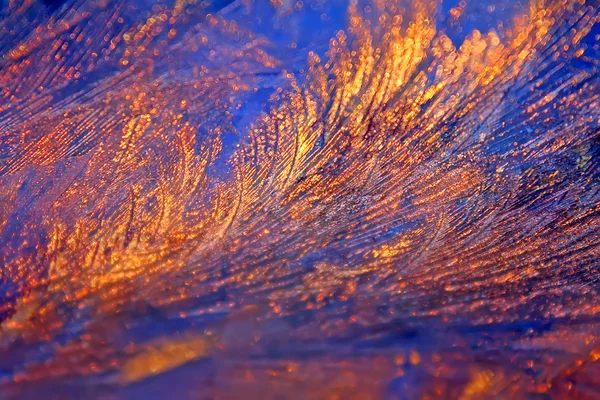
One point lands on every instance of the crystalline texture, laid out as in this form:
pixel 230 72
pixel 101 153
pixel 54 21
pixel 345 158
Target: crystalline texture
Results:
pixel 222 198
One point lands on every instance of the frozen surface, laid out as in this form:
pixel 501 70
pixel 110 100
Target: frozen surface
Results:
pixel 299 199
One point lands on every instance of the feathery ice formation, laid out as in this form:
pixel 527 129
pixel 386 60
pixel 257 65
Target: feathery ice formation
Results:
pixel 305 199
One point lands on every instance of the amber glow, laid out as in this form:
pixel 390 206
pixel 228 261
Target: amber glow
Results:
pixel 398 185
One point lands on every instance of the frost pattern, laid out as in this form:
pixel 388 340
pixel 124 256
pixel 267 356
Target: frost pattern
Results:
pixel 408 214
